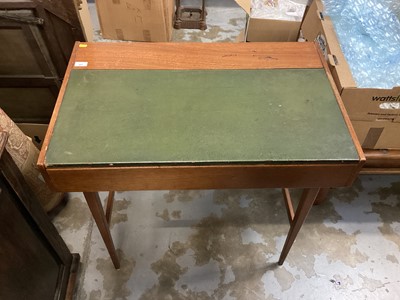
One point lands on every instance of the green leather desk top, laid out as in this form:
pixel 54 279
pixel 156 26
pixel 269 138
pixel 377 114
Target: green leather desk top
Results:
pixel 164 117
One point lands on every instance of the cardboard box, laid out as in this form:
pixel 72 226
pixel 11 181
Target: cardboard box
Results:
pixel 36 132
pixel 136 20
pixel 370 107
pixel 378 134
pixel 266 30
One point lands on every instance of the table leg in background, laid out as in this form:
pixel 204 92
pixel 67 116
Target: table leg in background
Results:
pixel 322 195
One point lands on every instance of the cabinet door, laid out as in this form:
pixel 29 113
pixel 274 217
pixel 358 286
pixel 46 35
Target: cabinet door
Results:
pixel 35 262
pixel 28 268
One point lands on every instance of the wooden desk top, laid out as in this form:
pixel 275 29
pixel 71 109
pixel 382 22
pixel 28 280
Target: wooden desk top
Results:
pixel 280 110
pixel 205 56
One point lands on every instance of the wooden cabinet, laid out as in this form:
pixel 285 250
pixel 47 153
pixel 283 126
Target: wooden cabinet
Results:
pixel 36 40
pixel 35 262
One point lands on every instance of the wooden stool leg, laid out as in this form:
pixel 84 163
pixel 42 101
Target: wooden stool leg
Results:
pixel 323 193
pixel 94 203
pixel 305 204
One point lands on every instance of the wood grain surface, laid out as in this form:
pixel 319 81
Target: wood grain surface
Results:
pixel 192 56
pixel 381 162
pixel 202 177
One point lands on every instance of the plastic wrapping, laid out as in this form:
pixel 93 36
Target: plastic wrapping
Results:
pixel 285 10
pixel 369 34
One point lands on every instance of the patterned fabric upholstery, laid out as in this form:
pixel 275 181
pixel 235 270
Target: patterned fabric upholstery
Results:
pixel 25 155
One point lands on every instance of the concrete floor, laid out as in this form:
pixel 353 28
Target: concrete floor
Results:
pixel 224 244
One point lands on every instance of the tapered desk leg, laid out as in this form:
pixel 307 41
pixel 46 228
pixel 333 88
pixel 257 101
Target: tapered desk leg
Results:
pixel 94 203
pixel 305 204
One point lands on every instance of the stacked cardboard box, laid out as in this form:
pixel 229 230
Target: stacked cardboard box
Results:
pixel 136 20
pixel 268 30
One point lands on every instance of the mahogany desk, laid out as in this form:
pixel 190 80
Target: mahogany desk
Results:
pixel 147 116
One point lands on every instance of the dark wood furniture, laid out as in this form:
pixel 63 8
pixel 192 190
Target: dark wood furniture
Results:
pixel 35 262
pixel 142 116
pixel 190 17
pixel 36 41
pixel 384 162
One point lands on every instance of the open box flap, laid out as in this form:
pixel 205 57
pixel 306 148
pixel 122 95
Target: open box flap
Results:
pixel 336 57
pixel 245 4
pixel 317 26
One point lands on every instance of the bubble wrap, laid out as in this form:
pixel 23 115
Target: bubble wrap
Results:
pixel 285 10
pixel 369 34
